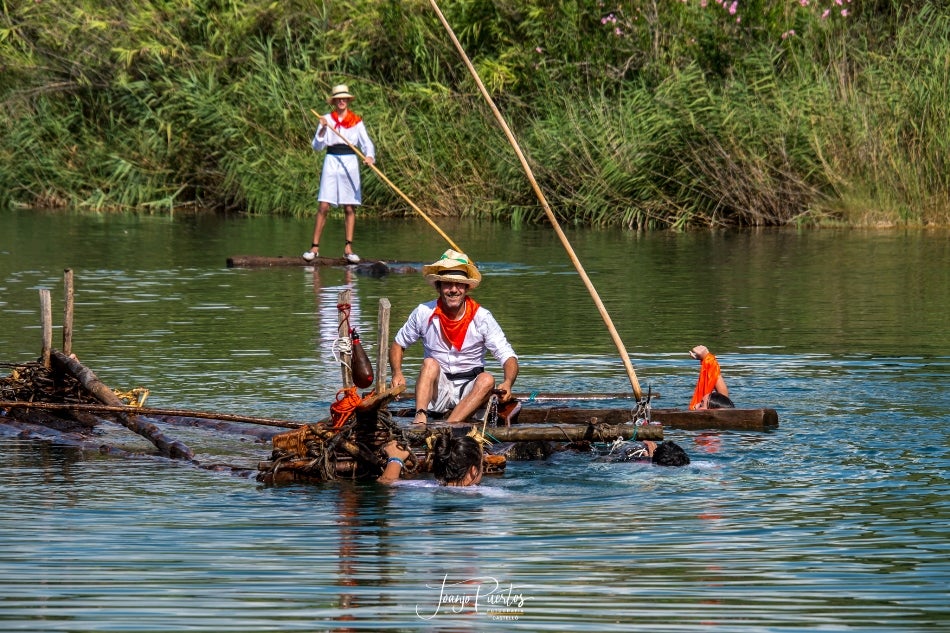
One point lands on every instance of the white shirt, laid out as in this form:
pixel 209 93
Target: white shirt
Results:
pixel 356 135
pixel 483 334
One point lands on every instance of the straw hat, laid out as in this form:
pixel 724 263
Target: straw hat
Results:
pixel 341 91
pixel 453 266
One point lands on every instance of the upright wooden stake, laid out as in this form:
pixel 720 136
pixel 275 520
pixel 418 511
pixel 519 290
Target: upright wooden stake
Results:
pixel 343 316
pixel 68 313
pixel 46 320
pixel 382 336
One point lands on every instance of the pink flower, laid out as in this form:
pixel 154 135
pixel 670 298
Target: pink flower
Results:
pixel 825 14
pixel 844 13
pixel 733 7
pixel 803 3
pixel 788 34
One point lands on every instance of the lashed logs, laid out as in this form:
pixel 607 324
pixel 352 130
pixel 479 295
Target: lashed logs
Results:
pixel 135 423
pixel 557 433
pixel 721 419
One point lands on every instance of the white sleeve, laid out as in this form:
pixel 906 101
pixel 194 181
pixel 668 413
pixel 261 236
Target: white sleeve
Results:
pixel 495 339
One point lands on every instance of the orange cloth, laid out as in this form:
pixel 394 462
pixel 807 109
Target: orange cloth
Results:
pixel 349 120
pixel 708 375
pixel 454 331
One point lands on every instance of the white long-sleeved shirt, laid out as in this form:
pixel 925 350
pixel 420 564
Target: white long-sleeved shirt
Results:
pixel 484 334
pixel 356 135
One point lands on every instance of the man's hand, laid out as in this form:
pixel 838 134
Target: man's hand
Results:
pixel 398 380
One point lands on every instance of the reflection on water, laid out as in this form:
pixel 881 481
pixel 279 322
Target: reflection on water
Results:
pixel 836 520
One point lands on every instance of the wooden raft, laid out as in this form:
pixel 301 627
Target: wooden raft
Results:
pixel 762 419
pixel 371 268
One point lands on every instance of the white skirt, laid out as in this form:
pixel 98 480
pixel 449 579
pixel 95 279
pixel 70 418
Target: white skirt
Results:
pixel 340 180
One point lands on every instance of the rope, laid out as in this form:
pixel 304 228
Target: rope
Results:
pixel 346 402
pixel 343 346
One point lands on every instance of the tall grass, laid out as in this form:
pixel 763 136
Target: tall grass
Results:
pixel 639 114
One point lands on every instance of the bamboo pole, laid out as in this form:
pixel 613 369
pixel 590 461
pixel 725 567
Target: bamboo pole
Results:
pixel 46 323
pixel 68 312
pixel 547 209
pixel 382 346
pixel 390 183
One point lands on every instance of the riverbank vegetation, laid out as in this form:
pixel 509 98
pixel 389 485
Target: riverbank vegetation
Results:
pixel 632 113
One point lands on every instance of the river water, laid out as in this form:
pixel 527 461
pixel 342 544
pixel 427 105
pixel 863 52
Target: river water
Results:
pixel 838 520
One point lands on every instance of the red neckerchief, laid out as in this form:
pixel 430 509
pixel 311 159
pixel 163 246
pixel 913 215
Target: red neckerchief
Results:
pixel 454 331
pixel 708 375
pixel 349 120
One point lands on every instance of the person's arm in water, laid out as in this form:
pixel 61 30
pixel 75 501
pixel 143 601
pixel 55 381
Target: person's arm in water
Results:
pixel 395 462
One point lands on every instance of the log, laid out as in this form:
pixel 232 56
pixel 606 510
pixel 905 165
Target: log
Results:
pixel 574 433
pixel 133 422
pixel 762 419
pixel 596 432
pixel 370 268
pixel 709 419
pixel 722 419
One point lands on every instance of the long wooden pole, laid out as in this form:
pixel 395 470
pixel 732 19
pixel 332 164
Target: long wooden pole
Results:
pixel 547 209
pixel 390 183
pixel 151 411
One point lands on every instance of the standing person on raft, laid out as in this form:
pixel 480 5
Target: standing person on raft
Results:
pixel 711 391
pixel 455 332
pixel 340 178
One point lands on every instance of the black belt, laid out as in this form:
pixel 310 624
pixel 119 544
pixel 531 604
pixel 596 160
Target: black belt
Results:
pixel 340 150
pixel 466 375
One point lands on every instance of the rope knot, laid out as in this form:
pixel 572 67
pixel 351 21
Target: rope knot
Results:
pixel 346 402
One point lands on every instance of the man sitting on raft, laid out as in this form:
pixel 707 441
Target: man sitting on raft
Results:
pixel 455 332
pixel 711 391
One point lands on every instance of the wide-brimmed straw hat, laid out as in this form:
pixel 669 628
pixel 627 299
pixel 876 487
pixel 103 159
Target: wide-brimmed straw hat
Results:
pixel 341 91
pixel 453 266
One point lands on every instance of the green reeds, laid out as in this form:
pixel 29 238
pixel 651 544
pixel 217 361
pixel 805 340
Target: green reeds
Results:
pixel 641 116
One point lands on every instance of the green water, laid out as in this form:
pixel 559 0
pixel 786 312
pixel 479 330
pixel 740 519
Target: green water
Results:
pixel 836 520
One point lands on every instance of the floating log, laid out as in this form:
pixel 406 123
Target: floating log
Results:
pixel 721 419
pixel 568 396
pixel 133 422
pixel 371 268
pixel 762 419
pixel 711 419
pixel 595 432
